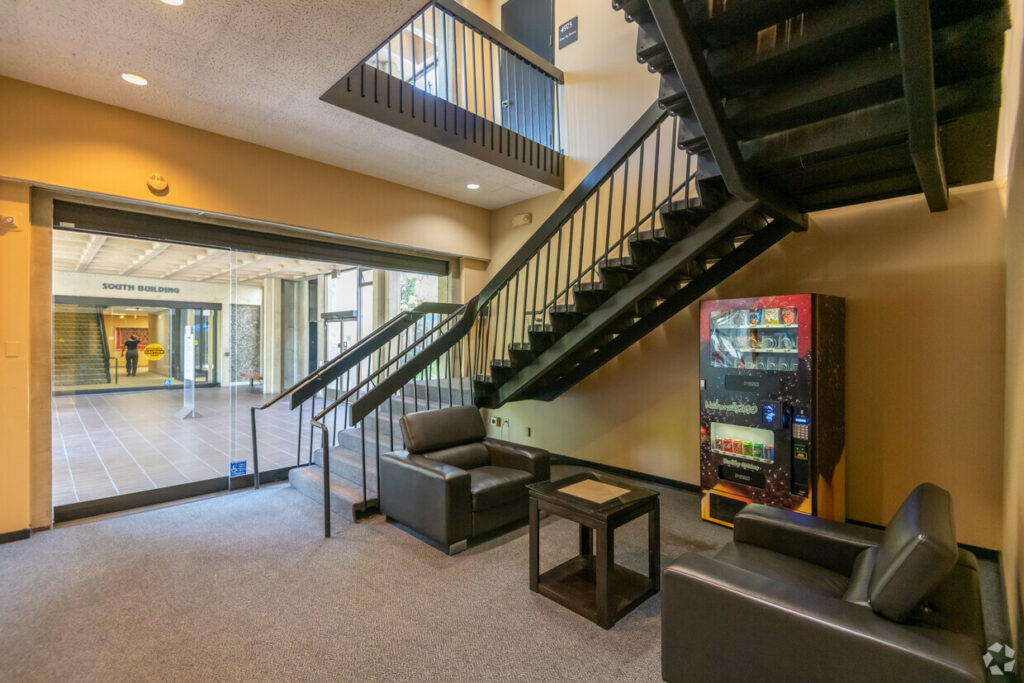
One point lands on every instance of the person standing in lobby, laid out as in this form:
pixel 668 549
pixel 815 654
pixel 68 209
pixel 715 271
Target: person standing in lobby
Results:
pixel 130 353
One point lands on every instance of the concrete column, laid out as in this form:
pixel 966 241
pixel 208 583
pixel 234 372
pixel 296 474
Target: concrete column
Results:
pixel 272 332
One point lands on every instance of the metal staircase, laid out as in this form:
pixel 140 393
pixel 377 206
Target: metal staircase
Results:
pixel 80 355
pixel 768 109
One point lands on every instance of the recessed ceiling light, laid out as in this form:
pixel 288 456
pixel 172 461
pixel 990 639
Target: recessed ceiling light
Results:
pixel 134 79
pixel 472 186
pixel 176 3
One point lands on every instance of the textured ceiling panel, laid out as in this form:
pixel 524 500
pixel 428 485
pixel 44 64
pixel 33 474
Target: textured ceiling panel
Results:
pixel 252 70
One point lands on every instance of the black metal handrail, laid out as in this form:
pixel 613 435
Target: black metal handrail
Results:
pixel 623 195
pixel 391 377
pixel 339 366
pixel 449 52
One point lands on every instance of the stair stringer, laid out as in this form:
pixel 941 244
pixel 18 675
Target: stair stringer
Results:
pixel 713 228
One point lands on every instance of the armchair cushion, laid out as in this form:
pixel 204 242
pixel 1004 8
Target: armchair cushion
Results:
pixel 464 456
pixel 776 566
pixel 492 486
pixel 536 461
pixel 917 552
pixel 432 430
pixel 828 544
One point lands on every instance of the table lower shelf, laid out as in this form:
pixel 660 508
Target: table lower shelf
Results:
pixel 573 584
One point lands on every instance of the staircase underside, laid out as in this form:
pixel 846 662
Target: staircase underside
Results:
pixel 828 102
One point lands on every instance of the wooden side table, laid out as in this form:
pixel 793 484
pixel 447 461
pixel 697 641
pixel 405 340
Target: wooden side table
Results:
pixel 591 584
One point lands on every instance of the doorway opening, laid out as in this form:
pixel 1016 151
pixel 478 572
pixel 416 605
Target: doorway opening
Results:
pixel 161 348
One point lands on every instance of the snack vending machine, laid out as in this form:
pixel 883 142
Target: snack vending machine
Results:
pixel 771 405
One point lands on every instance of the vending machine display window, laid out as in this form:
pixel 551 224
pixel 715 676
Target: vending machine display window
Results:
pixel 743 442
pixel 755 339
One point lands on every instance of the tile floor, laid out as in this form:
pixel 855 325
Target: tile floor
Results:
pixel 115 443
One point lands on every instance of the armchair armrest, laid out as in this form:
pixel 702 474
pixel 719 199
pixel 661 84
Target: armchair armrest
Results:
pixel 721 622
pixel 426 495
pixel 536 461
pixel 828 544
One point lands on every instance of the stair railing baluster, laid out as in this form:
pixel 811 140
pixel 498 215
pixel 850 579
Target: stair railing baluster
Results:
pixel 504 329
pixel 465 76
pixel 672 164
pixel 298 452
pixel 569 252
pixel 625 195
pixel 654 180
pixel 433 43
pixel 583 241
pixel 423 45
pixel 597 216
pixel 639 184
pixel 515 314
pixel 608 225
pixel 533 305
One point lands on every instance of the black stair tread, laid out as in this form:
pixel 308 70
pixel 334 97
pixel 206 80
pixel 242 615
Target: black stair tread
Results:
pixel 520 346
pixel 635 10
pixel 660 236
pixel 592 286
pixel 623 263
pixel 565 309
pixel 740 18
pixel 960 50
pixel 485 379
pixel 865 129
pixel 828 34
pixel 501 363
pixel 651 49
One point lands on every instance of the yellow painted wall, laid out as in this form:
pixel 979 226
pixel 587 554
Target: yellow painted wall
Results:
pixel 58 139
pixel 15 357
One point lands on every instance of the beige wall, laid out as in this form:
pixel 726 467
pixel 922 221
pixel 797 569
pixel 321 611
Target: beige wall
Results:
pixel 58 139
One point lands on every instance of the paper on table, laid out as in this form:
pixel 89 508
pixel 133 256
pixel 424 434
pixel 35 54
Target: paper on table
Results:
pixel 594 491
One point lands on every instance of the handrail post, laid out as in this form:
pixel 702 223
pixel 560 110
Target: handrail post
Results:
pixel 255 456
pixel 327 477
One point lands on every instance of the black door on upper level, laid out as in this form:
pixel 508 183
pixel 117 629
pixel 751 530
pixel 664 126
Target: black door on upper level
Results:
pixel 532 23
pixel 527 95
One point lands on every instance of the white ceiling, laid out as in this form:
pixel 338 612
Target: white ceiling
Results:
pixel 249 69
pixel 122 256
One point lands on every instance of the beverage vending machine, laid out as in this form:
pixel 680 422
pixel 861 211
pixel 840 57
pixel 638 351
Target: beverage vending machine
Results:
pixel 771 405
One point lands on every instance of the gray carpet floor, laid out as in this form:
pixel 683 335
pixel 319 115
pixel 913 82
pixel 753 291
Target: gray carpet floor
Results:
pixel 243 586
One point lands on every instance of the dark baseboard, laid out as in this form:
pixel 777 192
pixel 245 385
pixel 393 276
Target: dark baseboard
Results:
pixel 623 472
pixel 977 551
pixel 115 389
pixel 19 535
pixel 167 494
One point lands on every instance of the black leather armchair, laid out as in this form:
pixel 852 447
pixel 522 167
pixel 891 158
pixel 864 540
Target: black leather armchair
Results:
pixel 798 598
pixel 453 483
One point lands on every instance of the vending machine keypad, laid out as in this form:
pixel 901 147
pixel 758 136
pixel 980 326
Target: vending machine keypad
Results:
pixel 801 431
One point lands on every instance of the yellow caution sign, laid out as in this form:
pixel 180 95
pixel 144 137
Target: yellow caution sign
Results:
pixel 153 351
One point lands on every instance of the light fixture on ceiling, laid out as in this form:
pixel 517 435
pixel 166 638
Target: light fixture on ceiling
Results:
pixel 134 79
pixel 472 186
pixel 176 3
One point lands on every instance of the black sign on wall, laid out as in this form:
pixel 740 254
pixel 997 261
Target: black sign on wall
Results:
pixel 568 32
